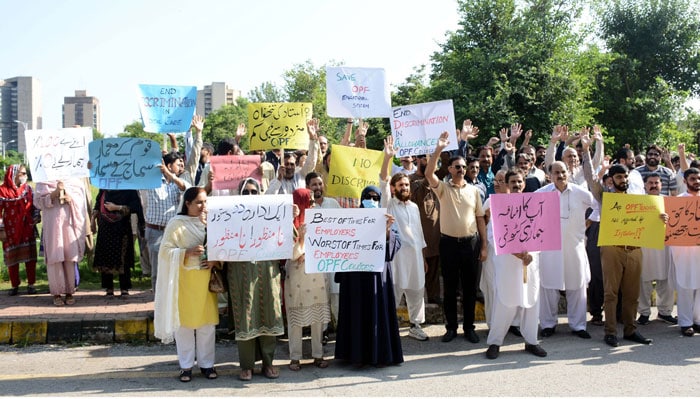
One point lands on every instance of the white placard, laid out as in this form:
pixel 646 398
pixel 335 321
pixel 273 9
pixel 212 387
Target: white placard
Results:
pixel 56 154
pixel 345 240
pixel 417 127
pixel 357 93
pixel 250 227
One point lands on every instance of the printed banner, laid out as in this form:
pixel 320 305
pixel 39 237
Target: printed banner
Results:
pixel 683 227
pixel 357 93
pixel 631 219
pixel 345 240
pixel 250 227
pixel 525 222
pixel 229 170
pixel 416 128
pixel 351 170
pixel 125 164
pixel 167 109
pixel 279 125
pixel 56 154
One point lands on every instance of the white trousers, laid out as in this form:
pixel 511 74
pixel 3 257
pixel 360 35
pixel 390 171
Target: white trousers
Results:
pixel 664 298
pixel 295 341
pixel 200 342
pixel 575 308
pixel 503 317
pixel 688 306
pixel 415 302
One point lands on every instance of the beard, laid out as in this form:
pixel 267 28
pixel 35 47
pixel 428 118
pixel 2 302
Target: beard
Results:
pixel 422 167
pixel 620 187
pixel 403 195
pixel 652 162
pixel 318 194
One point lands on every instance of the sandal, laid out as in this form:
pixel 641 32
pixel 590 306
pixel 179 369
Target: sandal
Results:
pixel 209 373
pixel 271 372
pixel 70 300
pixel 57 301
pixel 321 363
pixel 245 375
pixel 186 375
pixel 294 365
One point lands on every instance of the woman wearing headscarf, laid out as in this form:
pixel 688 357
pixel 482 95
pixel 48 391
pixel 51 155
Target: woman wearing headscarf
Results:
pixel 63 204
pixel 254 289
pixel 18 215
pixel 114 248
pixel 185 309
pixel 368 330
pixel 305 295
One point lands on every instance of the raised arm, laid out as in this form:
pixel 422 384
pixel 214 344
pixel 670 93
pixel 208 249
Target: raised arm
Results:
pixel 313 150
pixel 389 153
pixel 430 169
pixel 599 153
pixel 593 184
pixel 348 132
pixel 197 126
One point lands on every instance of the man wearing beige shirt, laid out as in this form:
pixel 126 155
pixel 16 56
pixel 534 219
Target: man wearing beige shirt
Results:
pixel 461 225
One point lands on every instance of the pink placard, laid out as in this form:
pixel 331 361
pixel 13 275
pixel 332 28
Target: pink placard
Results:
pixel 525 222
pixel 229 170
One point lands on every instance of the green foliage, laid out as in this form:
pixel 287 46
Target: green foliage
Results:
pixel 223 123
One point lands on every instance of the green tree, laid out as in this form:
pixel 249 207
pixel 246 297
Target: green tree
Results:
pixel 267 92
pixel 223 123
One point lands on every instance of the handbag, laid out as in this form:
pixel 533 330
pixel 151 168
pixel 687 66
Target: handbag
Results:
pixel 108 216
pixel 216 281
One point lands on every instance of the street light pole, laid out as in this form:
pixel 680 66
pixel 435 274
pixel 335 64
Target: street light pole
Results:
pixel 4 145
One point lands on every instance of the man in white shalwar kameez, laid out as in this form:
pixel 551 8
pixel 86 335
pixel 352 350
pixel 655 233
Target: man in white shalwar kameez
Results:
pixel 514 293
pixel 655 265
pixel 408 266
pixel 685 270
pixel 568 268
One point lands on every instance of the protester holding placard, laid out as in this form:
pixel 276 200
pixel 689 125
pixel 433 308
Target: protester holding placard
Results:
pixel 19 217
pixel 288 177
pixel 114 249
pixel 685 265
pixel 368 329
pixel 64 211
pixel 516 289
pixel 254 290
pixel 305 295
pixel 408 266
pixel 185 309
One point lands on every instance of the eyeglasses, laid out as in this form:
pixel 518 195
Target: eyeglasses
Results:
pixel 459 167
pixel 373 197
pixel 249 192
pixel 653 154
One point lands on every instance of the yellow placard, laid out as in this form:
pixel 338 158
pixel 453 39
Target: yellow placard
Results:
pixel 278 125
pixel 632 219
pixel 351 170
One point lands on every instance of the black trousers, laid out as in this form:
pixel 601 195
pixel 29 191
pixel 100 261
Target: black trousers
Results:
pixel 459 263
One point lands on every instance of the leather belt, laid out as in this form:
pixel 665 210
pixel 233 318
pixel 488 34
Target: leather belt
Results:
pixel 457 239
pixel 155 227
pixel 627 248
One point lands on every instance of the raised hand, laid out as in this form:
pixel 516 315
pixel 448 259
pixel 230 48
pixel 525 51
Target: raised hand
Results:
pixel 240 132
pixel 468 131
pixel 312 128
pixel 504 135
pixel 389 149
pixel 597 133
pixel 556 134
pixel 197 123
pixel 516 130
pixel 493 141
pixel 443 141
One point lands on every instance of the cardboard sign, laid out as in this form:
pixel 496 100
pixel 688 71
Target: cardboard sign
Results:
pixel 250 227
pixel 229 170
pixel 525 222
pixel 351 170
pixel 357 93
pixel 57 154
pixel 632 219
pixel 125 163
pixel 345 240
pixel 416 128
pixel 683 227
pixel 278 125
pixel 167 109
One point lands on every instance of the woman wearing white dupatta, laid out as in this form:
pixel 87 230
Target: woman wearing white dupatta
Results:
pixel 185 309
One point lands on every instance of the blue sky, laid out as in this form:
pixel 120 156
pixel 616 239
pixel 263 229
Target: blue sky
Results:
pixel 109 47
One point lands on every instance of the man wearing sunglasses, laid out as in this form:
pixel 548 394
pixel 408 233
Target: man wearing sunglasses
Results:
pixel 461 224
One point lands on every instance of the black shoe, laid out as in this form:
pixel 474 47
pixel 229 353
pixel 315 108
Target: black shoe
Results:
pixel 492 352
pixel 31 290
pixel 14 291
pixel 696 327
pixel 548 332
pixel 687 331
pixel 471 336
pixel 612 340
pixel 643 320
pixel 515 330
pixel 668 319
pixel 582 334
pixel 536 350
pixel 449 335
pixel 597 320
pixel 637 337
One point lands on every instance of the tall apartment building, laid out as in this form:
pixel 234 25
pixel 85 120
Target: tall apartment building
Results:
pixel 82 110
pixel 20 108
pixel 214 96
